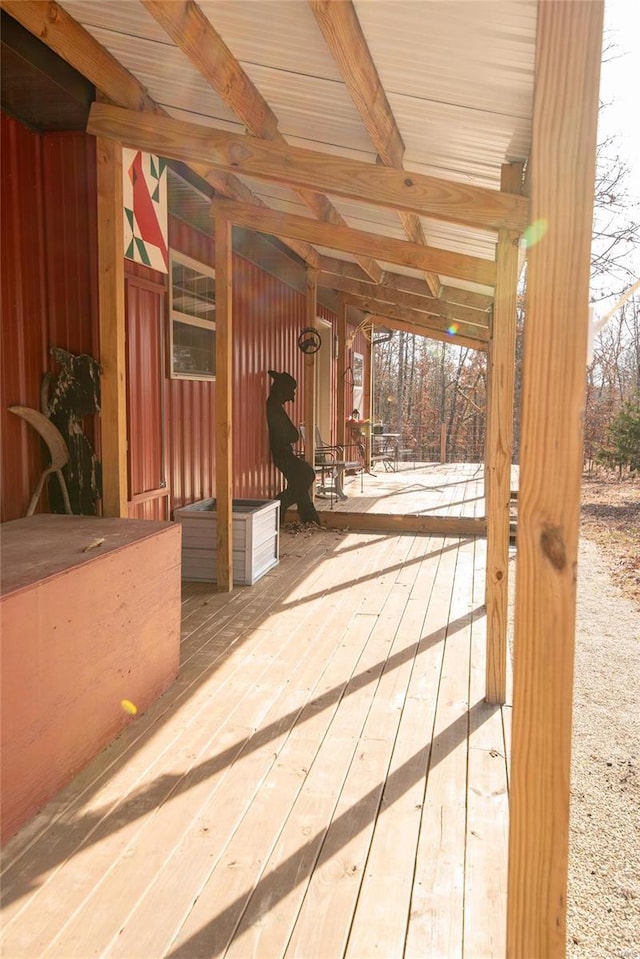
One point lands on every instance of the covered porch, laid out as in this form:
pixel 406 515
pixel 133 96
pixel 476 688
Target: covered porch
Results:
pixel 325 777
pixel 320 790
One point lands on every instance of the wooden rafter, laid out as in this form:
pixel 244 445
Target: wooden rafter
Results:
pixel 425 304
pixel 565 115
pixel 344 238
pixel 392 323
pixel 190 30
pixel 411 284
pixel 425 321
pixel 294 166
pixel 343 35
pixel 65 36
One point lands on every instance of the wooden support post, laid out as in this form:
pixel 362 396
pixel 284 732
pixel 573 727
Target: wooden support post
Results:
pixel 113 418
pixel 499 447
pixel 341 364
pixel 224 405
pixel 311 305
pixel 569 46
pixel 443 442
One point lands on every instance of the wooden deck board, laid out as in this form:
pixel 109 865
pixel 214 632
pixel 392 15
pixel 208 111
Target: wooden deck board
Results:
pixel 323 779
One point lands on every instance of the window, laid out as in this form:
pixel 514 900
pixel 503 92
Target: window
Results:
pixel 193 318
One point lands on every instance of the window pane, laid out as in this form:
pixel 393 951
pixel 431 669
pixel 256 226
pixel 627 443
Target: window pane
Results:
pixel 194 293
pixel 193 350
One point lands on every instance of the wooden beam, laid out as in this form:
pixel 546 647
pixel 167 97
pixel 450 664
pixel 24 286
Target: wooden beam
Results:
pixel 425 304
pixel 501 359
pixel 323 172
pixel 391 323
pixel 396 523
pixel 192 33
pixel 358 241
pixel 424 321
pixel 224 403
pixel 343 35
pixel 568 53
pixel 411 284
pixel 113 416
pixel 65 36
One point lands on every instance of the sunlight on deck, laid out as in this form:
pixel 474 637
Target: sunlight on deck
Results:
pixel 324 779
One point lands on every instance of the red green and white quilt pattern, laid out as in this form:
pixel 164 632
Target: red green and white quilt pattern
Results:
pixel 145 209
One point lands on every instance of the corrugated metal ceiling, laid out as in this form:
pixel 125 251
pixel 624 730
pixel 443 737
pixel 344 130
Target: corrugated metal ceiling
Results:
pixel 458 75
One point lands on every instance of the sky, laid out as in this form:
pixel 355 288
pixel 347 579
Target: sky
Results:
pixel 620 83
pixel 620 91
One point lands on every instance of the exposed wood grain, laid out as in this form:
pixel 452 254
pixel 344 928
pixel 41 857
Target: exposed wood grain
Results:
pixel 498 456
pixel 113 417
pixel 418 328
pixel 344 37
pixel 224 402
pixel 386 293
pixel 412 284
pixel 487 829
pixel 378 930
pixel 388 523
pixel 569 40
pixel 192 32
pixel 434 928
pixel 295 166
pixel 430 321
pixel 271 879
pixel 294 744
pixel 356 241
pixel 75 644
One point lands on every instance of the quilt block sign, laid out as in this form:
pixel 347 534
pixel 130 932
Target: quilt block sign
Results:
pixel 145 209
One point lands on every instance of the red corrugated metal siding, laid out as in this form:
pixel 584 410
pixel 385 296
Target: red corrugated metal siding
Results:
pixel 267 317
pixel 39 203
pixel 70 230
pixel 145 378
pixel 23 312
pixel 69 179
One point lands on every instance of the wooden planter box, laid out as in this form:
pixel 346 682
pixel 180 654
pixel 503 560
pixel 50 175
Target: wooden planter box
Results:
pixel 255 528
pixel 90 612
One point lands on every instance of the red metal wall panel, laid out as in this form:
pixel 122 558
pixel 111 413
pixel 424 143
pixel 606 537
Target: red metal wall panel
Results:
pixel 267 317
pixel 69 181
pixel 48 199
pixel 145 378
pixel 49 270
pixel 23 312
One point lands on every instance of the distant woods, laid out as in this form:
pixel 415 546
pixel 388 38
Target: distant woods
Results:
pixel 434 394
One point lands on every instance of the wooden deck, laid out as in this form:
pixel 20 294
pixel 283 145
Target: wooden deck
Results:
pixel 434 489
pixel 324 778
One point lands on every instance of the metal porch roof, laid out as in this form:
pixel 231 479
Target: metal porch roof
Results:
pixel 458 75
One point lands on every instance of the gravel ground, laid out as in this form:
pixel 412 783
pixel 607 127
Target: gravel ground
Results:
pixel 604 861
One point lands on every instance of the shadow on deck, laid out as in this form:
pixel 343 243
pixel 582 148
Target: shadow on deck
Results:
pixel 324 778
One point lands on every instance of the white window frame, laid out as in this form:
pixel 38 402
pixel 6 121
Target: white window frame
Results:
pixel 186 318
